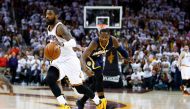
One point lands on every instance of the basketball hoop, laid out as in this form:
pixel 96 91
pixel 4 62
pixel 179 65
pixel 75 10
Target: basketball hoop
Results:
pixel 101 26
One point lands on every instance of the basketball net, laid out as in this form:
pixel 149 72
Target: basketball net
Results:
pixel 101 26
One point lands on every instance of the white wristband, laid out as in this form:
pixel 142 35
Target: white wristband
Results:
pixel 70 43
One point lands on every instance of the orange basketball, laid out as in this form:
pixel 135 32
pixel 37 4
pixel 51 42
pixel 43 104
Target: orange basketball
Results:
pixel 52 51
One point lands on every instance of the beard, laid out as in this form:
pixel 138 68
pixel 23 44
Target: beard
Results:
pixel 50 22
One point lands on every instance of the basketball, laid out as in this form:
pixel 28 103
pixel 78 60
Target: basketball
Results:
pixel 52 51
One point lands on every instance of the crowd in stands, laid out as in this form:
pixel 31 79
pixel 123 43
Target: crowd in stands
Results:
pixel 153 33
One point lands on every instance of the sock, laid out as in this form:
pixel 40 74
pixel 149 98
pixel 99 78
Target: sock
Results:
pixel 102 96
pixel 185 88
pixel 96 100
pixel 61 100
pixel 188 90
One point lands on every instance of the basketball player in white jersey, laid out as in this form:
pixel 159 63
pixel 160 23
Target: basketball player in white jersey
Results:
pixel 67 64
pixel 184 66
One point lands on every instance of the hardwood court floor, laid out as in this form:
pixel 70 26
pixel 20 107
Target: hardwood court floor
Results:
pixel 35 97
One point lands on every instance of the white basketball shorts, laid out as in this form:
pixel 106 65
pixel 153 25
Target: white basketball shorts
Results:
pixel 69 67
pixel 185 72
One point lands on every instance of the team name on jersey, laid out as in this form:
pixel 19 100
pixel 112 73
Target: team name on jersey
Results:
pixel 100 52
pixel 52 36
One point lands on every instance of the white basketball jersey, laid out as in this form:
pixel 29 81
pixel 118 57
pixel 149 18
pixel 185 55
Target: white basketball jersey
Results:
pixel 186 59
pixel 65 51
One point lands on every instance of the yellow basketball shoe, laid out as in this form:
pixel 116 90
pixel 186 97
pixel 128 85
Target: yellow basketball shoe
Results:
pixel 100 106
pixel 62 106
pixel 104 101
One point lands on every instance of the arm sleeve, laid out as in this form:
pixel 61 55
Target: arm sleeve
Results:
pixel 122 51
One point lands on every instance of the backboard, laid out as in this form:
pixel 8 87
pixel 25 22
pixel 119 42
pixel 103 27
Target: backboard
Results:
pixel 109 15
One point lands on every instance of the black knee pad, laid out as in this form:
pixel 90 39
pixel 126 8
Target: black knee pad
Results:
pixel 52 75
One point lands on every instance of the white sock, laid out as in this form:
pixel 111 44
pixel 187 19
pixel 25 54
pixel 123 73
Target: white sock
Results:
pixel 96 100
pixel 188 90
pixel 185 88
pixel 61 100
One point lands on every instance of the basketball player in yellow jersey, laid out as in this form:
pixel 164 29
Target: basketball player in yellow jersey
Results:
pixel 184 66
pixel 67 64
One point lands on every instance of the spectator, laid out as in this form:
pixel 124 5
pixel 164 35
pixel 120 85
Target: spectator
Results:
pixel 127 71
pixel 25 75
pixel 174 73
pixel 15 50
pixel 3 63
pixel 147 76
pixel 136 80
pixel 13 63
pixel 43 74
pixel 21 67
pixel 166 77
pixel 35 70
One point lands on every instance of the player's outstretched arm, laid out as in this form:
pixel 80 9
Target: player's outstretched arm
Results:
pixel 86 54
pixel 119 48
